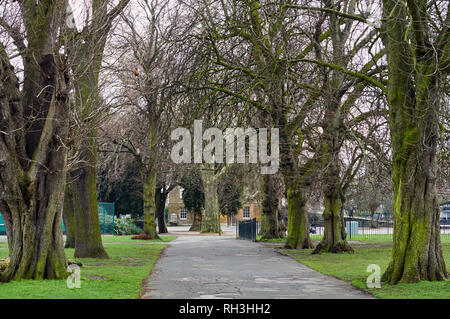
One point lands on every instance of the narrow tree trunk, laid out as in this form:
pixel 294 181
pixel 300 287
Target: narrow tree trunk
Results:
pixel 161 198
pixel 148 173
pixel 372 220
pixel 211 217
pixel 282 227
pixel 150 205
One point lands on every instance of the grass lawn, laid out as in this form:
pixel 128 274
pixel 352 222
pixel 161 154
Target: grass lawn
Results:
pixel 120 277
pixel 372 251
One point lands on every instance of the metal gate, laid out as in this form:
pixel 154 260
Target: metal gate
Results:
pixel 248 229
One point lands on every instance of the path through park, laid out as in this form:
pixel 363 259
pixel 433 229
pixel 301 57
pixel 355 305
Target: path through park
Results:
pixel 223 267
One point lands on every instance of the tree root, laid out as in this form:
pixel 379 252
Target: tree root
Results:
pixel 339 247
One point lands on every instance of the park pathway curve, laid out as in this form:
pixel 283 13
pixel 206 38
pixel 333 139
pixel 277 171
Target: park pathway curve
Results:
pixel 196 267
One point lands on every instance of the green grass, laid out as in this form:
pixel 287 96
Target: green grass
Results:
pixel 353 267
pixel 130 262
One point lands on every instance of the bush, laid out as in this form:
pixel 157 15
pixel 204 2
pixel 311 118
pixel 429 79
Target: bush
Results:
pixel 126 226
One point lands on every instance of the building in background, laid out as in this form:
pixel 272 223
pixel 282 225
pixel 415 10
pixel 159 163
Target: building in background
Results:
pixel 178 214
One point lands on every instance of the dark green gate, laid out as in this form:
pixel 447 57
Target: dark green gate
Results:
pixel 248 229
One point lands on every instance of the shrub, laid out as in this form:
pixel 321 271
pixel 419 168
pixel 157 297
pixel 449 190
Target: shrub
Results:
pixel 125 226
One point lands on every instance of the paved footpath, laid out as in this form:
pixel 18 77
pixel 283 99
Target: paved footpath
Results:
pixel 196 267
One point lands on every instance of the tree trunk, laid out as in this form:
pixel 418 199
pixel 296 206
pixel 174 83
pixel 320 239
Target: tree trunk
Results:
pixel 210 215
pixel 161 198
pixel 417 253
pixel 282 227
pixel 294 180
pixel 68 216
pixel 33 193
pixel 86 55
pixel 298 223
pixel 88 240
pixel 414 98
pixel 150 205
pixel 148 173
pixel 372 220
pixel 334 238
pixel 270 209
pixel 197 223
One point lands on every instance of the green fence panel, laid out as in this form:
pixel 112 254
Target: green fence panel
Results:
pixel 105 217
pixel 2 226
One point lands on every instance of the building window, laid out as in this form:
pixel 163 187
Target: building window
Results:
pixel 246 213
pixel 183 213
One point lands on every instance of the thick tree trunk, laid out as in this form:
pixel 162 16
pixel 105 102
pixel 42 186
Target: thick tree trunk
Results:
pixel 298 223
pixel 415 93
pixel 197 222
pixel 31 199
pixel 211 216
pixel 270 208
pixel 417 253
pixel 294 180
pixel 334 238
pixel 33 152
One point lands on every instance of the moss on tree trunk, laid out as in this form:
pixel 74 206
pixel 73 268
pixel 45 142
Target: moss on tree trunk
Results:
pixel 298 223
pixel 270 209
pixel 415 93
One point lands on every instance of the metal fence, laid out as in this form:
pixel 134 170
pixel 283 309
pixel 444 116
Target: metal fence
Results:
pixel 248 229
pixel 106 217
pixel 364 228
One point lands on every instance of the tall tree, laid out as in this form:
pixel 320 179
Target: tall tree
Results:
pixel 418 54
pixel 33 139
pixel 86 50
